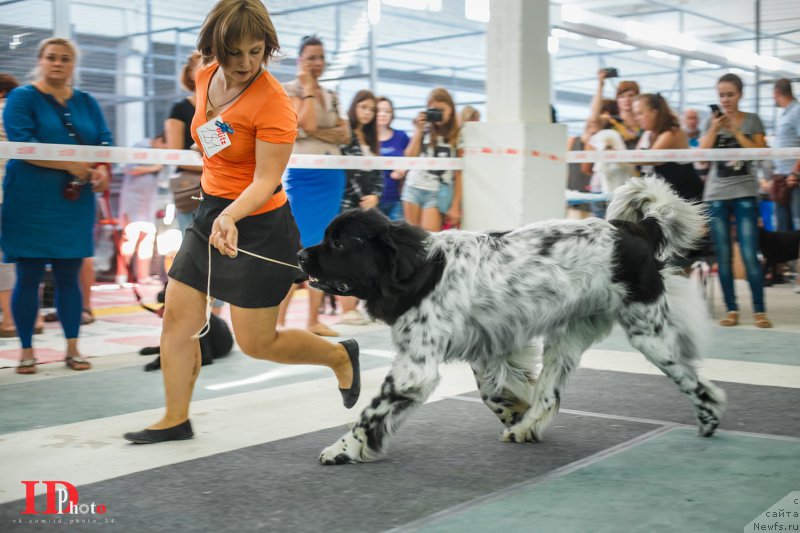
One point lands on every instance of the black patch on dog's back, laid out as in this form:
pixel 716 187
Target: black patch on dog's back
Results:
pixel 635 263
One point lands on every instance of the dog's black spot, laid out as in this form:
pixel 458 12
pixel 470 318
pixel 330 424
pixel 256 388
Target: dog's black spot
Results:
pixel 635 262
pixel 547 243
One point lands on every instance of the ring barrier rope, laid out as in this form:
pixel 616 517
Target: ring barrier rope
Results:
pixel 108 154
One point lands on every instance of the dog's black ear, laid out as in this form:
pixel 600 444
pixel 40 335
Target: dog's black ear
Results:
pixel 406 251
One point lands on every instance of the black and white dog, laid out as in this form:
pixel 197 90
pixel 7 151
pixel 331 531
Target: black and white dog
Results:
pixel 483 297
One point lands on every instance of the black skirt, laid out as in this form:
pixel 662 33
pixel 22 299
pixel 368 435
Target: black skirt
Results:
pixel 243 281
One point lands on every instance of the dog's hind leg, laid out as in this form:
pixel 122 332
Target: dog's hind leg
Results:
pixel 562 354
pixel 670 342
pixel 407 386
pixel 506 384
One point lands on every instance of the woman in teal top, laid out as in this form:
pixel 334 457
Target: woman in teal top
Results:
pixel 49 208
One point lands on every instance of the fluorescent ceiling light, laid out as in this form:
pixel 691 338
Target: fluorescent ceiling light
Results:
pixel 658 54
pixel 608 43
pixel 564 34
pixel 743 57
pixel 419 5
pixel 769 63
pixel 574 14
pixel 552 44
pixel 702 64
pixel 374 11
pixel 654 34
pixel 477 10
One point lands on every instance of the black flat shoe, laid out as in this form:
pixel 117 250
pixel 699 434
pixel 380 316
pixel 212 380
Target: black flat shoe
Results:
pixel 350 396
pixel 152 436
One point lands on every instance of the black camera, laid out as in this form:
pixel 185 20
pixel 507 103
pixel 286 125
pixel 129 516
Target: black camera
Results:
pixel 611 72
pixel 433 115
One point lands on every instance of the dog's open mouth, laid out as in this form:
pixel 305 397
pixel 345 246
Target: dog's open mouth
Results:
pixel 339 288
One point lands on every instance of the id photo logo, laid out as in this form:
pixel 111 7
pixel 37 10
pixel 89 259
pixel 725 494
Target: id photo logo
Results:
pixel 62 506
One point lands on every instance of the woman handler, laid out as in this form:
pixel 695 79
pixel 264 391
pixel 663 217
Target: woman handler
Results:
pixel 246 125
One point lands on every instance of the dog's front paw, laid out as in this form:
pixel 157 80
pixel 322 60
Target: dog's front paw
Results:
pixel 522 432
pixel 345 451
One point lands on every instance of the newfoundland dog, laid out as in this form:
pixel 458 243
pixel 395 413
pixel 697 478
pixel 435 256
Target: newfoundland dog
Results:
pixel 484 297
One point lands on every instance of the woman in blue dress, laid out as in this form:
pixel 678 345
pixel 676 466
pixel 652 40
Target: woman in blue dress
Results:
pixel 49 208
pixel 314 194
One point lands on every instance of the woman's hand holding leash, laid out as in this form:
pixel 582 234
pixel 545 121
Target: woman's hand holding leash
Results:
pixel 224 235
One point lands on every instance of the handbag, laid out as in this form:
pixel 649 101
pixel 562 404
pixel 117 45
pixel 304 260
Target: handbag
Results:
pixel 445 197
pixel 779 192
pixel 72 188
pixel 185 187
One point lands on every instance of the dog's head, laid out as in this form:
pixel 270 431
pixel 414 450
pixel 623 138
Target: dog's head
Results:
pixel 364 254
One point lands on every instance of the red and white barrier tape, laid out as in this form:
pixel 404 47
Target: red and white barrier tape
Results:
pixel 108 154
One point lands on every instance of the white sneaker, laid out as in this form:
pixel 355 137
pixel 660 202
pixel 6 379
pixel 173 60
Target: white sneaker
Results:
pixel 354 318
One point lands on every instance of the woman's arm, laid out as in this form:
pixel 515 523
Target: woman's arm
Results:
pixel 174 130
pixel 415 145
pixel 271 161
pixel 758 140
pixel 339 134
pixel 597 99
pixel 306 114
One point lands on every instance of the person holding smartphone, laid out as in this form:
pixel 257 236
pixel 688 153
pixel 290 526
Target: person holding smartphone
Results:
pixel 731 191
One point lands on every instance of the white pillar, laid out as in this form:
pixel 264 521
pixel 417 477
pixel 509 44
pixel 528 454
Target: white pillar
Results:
pixel 61 19
pixel 515 172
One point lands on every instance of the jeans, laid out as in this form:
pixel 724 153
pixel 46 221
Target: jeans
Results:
pixel 25 299
pixel 789 215
pixel 745 213
pixel 393 210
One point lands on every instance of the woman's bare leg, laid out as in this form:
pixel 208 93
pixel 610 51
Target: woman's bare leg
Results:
pixel 184 315
pixel 412 213
pixel 257 337
pixel 431 219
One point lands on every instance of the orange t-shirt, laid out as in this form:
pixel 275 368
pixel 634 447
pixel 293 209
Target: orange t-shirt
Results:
pixel 263 112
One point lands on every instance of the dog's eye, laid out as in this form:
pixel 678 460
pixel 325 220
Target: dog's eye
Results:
pixel 337 244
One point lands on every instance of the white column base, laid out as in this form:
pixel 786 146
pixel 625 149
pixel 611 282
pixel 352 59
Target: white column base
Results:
pixel 503 191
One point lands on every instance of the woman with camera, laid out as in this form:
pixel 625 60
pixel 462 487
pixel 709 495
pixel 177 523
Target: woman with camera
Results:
pixel 627 91
pixel 430 194
pixel 49 208
pixel 732 191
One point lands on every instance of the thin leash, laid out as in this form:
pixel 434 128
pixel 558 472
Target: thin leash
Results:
pixel 209 300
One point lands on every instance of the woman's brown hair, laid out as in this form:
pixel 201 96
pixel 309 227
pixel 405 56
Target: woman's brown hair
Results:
pixel 665 118
pixel 232 21
pixel 627 85
pixel 450 129
pixel 187 80
pixel 370 129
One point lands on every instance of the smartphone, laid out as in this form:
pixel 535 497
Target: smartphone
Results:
pixel 715 110
pixel 611 72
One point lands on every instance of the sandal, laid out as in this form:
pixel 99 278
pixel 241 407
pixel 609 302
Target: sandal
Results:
pixel 27 366
pixel 731 320
pixel 761 320
pixel 76 362
pixel 86 317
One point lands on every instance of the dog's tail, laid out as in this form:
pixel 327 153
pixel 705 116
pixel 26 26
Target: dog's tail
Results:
pixel 679 225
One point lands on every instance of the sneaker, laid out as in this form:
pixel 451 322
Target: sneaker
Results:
pixel 354 318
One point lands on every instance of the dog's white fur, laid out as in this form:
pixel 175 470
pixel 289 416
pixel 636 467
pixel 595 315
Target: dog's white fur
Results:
pixel 552 280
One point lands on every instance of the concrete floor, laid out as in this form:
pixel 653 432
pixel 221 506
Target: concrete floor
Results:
pixel 622 456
